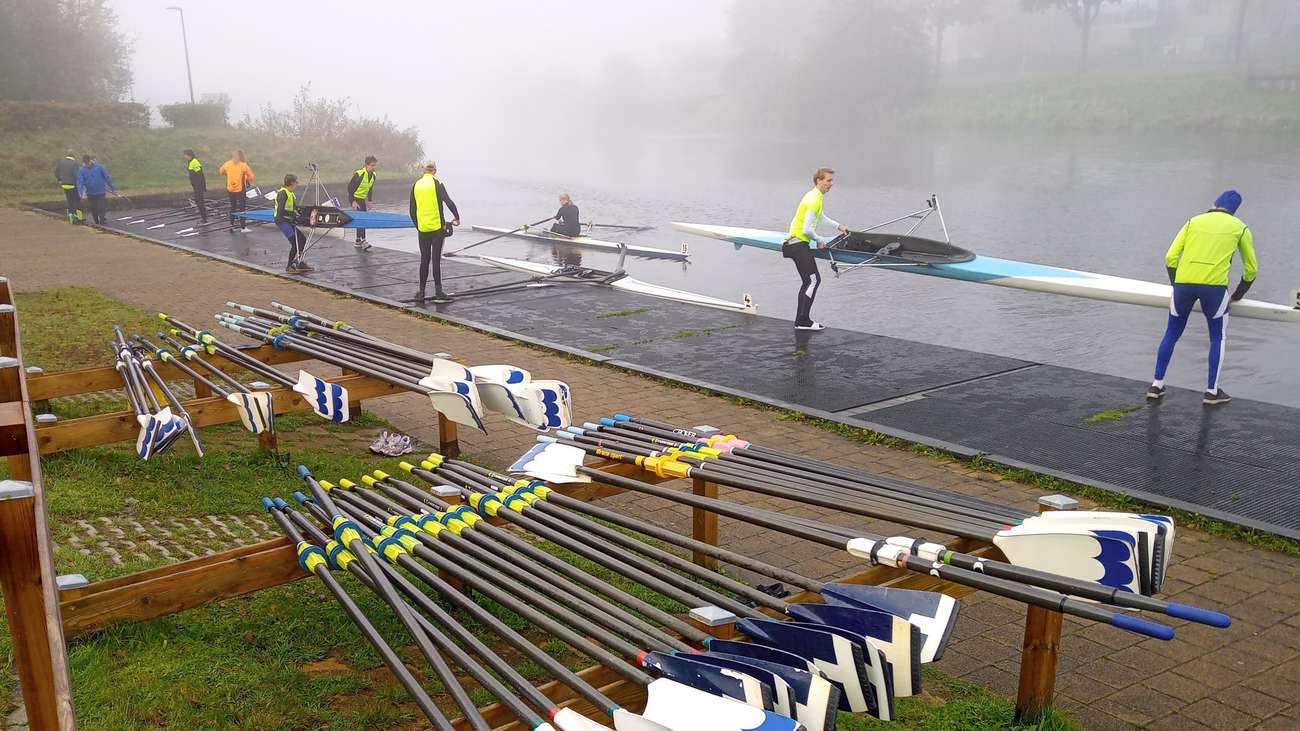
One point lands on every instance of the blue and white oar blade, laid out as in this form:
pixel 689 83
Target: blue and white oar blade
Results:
pixel 839 658
pixel 733 684
pixel 932 613
pixel 1108 557
pixel 144 441
pixel 328 400
pixel 255 410
pixel 567 719
pixel 783 696
pixel 682 708
pixel 880 680
pixel 551 462
pixel 625 720
pixel 816 699
pixel 892 635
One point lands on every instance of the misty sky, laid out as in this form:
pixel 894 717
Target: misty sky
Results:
pixel 411 60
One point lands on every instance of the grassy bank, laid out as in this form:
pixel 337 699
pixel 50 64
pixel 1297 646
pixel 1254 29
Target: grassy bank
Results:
pixel 282 658
pixel 150 160
pixel 1110 103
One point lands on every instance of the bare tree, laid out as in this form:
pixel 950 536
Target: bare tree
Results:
pixel 940 14
pixel 1083 12
pixel 1238 35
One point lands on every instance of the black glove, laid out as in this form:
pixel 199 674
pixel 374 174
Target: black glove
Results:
pixel 1173 272
pixel 1242 288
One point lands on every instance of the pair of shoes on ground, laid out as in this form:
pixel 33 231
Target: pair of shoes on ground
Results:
pixel 392 444
pixel 815 327
pixel 298 267
pixel 1219 396
pixel 361 244
pixel 439 298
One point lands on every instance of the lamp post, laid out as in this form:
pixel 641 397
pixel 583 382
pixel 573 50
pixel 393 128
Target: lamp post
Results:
pixel 185 40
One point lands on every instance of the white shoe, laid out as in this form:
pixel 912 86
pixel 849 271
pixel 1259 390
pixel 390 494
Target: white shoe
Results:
pixel 814 327
pixel 245 230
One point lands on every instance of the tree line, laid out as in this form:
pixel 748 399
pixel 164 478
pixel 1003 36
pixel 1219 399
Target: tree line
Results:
pixel 62 50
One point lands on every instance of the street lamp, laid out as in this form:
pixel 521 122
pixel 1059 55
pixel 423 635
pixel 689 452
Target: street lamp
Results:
pixel 185 39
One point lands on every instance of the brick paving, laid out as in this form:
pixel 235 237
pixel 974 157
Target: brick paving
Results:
pixel 1240 678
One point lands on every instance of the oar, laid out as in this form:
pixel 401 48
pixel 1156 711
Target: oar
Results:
pixel 159 429
pixel 147 364
pixel 313 559
pixel 616 226
pixel 255 408
pixel 498 236
pixel 562 463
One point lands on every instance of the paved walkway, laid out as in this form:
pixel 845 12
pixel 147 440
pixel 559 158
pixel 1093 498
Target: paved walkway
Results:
pixel 1235 679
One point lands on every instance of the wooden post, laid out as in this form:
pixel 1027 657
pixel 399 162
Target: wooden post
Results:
pixel 201 389
pixel 267 441
pixel 1042 644
pixel 354 406
pixel 448 437
pixel 704 524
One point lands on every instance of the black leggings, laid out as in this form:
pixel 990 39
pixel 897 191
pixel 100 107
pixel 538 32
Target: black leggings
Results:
pixel 237 202
pixel 431 253
pixel 98 205
pixel 297 240
pixel 809 278
pixel 361 206
pixel 74 203
pixel 201 204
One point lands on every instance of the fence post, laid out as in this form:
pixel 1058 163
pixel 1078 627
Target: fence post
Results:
pixel 1042 645
pixel 448 437
pixel 704 523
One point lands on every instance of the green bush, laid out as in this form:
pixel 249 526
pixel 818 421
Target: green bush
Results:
pixel 45 116
pixel 191 116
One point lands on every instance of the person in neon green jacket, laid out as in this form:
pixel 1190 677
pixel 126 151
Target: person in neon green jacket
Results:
pixel 1198 262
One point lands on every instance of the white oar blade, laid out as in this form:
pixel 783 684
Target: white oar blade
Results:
pixel 551 462
pixel 1106 557
pixel 144 441
pixel 570 720
pixel 625 720
pixel 932 613
pixel 328 400
pixel 895 636
pixel 454 394
pixel 682 708
pixel 256 412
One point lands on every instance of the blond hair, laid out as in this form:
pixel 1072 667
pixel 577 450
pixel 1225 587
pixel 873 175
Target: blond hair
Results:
pixel 822 174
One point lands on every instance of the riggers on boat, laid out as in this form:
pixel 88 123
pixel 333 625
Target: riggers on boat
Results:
pixel 871 248
pixel 585 242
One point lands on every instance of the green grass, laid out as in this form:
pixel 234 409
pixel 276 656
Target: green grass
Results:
pixel 1112 102
pixel 623 313
pixel 950 704
pixel 150 160
pixel 1110 414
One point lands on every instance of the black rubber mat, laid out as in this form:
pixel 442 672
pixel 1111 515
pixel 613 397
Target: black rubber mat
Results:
pixel 832 370
pixel 1241 459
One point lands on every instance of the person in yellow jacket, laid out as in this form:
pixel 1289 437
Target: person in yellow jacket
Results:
pixel 428 196
pixel 238 176
pixel 803 239
pixel 1198 262
pixel 361 189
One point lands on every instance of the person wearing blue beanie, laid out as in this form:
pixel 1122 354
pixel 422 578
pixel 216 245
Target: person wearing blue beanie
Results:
pixel 1198 263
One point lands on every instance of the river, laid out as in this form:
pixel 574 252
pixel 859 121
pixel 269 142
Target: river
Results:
pixel 1108 204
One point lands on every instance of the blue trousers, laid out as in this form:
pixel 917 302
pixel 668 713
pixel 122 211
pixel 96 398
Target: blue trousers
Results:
pixel 1214 303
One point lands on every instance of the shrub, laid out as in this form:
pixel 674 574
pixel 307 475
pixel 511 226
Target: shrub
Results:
pixel 205 115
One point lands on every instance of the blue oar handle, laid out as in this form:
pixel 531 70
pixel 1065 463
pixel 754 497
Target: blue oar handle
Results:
pixel 1196 614
pixel 1142 626
pixel 300 498
pixel 267 504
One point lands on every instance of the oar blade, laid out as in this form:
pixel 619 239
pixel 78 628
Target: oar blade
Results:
pixel 933 614
pixel 625 720
pixel 816 699
pixel 538 404
pixel 454 394
pixel 895 636
pixel 838 658
pixel 683 708
pixel 328 400
pixel 725 682
pixel 551 462
pixel 256 411
pixel 784 701
pixel 1108 557
pixel 568 719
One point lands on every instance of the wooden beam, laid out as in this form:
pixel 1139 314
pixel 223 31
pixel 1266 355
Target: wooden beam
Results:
pixel 121 426
pixel 704 523
pixel 448 437
pixel 103 378
pixel 186 585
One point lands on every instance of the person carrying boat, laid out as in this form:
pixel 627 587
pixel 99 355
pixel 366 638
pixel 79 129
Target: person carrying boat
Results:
pixel 198 182
pixel 428 196
pixel 1198 262
pixel 238 176
pixel 65 171
pixel 285 217
pixel 566 219
pixel 803 239
pixel 94 183
pixel 360 189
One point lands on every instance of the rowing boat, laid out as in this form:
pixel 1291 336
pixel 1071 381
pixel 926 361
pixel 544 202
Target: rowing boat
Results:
pixel 586 242
pixel 334 217
pixel 908 253
pixel 548 273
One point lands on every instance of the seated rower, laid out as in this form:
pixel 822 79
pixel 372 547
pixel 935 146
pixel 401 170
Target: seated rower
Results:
pixel 566 219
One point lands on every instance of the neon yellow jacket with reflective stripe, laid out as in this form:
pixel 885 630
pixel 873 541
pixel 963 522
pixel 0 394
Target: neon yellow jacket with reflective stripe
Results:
pixel 812 200
pixel 284 209
pixel 428 211
pixel 1203 249
pixel 367 179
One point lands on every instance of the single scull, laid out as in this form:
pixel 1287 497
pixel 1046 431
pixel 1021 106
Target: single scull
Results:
pixel 586 242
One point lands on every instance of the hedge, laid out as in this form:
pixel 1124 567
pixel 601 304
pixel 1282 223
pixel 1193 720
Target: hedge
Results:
pixel 42 116
pixel 189 116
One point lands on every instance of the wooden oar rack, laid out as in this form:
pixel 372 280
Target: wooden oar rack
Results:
pixel 42 609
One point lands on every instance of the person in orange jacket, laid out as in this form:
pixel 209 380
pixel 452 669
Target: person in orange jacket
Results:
pixel 238 176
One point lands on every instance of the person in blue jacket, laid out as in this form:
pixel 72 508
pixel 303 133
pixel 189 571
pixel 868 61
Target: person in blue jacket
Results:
pixel 94 183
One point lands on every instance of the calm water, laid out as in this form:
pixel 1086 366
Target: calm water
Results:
pixel 1106 205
